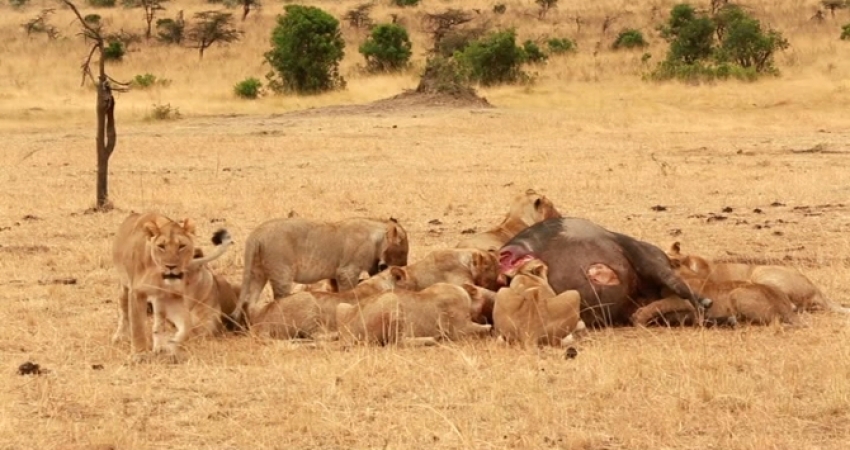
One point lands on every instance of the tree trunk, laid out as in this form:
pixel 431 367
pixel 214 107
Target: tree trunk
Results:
pixel 106 137
pixel 246 8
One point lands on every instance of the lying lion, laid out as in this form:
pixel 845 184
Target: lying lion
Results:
pixel 528 310
pixel 734 302
pixel 788 280
pixel 440 311
pixel 526 210
pixel 154 259
pixel 284 251
pixel 307 313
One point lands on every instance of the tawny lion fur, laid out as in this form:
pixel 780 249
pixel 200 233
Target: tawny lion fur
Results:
pixel 526 210
pixel 788 280
pixel 440 311
pixel 529 311
pixel 153 256
pixel 284 251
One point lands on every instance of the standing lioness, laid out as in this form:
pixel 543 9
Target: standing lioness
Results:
pixel 154 259
pixel 283 251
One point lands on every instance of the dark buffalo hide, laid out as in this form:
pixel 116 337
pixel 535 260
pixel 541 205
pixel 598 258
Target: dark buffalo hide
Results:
pixel 614 273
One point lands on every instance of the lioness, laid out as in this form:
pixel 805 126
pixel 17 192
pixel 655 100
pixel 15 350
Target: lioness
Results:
pixel 455 266
pixel 440 311
pixel 788 280
pixel 304 314
pixel 528 310
pixel 283 251
pixel 526 210
pixel 154 259
pixel 734 302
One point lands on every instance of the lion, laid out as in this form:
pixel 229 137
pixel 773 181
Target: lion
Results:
pixel 154 257
pixel 306 313
pixel 529 311
pixel 734 302
pixel 296 250
pixel 455 266
pixel 788 280
pixel 526 210
pixel 442 311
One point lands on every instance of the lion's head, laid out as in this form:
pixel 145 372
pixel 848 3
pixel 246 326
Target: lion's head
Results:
pixel 172 248
pixel 394 247
pixel 691 263
pixel 532 208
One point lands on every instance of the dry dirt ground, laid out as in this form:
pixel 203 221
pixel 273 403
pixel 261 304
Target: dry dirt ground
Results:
pixel 780 173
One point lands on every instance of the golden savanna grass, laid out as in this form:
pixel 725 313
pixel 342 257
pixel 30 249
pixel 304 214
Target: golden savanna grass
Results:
pixel 589 134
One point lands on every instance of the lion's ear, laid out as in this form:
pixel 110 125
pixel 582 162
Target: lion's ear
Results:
pixel 151 229
pixel 398 273
pixel 541 270
pixel 188 225
pixel 676 248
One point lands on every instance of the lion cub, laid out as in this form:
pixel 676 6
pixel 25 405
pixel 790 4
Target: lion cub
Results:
pixel 526 210
pixel 456 266
pixel 440 311
pixel 788 280
pixel 734 301
pixel 529 311
pixel 306 313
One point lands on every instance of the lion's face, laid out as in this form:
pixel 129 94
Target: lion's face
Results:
pixel 532 208
pixel 687 263
pixel 395 246
pixel 172 248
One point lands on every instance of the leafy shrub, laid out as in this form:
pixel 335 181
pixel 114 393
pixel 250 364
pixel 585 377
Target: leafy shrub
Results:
pixel 18 3
pixel 730 43
pixel 500 8
pixel 629 38
pixel 457 40
pixel 148 80
pixel 102 3
pixel 404 3
pixel 387 48
pixel 114 51
pixel 493 59
pixel 92 19
pixel 533 54
pixel 249 88
pixel 164 112
pixel 445 76
pixel 845 32
pixel 307 47
pixel 170 31
pixel 558 46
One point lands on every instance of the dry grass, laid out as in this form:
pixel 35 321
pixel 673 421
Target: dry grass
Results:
pixel 606 148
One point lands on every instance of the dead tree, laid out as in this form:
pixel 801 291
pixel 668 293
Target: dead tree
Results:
pixel 106 134
pixel 359 17
pixel 39 24
pixel 151 7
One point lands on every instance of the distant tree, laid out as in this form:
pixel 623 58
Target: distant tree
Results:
pixel 832 5
pixel 170 31
pixel 545 6
pixel 212 27
pixel 38 24
pixel 248 6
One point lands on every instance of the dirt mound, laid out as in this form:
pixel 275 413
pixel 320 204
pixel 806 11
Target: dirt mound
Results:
pixel 416 98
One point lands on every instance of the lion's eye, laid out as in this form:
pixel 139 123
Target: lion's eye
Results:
pixel 161 246
pixel 181 247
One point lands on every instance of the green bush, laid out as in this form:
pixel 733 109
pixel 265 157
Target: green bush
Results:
pixel 533 54
pixel 493 59
pixel 457 40
pixel 307 47
pixel 404 3
pixel 445 76
pixel 170 31
pixel 114 51
pixel 102 3
pixel 249 88
pixel 388 48
pixel 92 19
pixel 629 39
pixel 164 112
pixel 558 46
pixel 18 3
pixel 845 32
pixel 148 80
pixel 729 44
